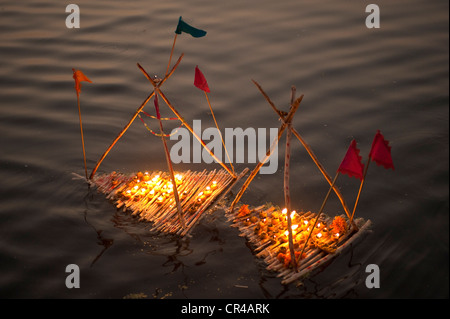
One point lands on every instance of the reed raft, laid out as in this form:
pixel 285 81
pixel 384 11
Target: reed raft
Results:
pixel 265 227
pixel 149 196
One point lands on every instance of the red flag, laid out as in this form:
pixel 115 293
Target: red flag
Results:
pixel 351 164
pixel 200 80
pixel 381 151
pixel 79 76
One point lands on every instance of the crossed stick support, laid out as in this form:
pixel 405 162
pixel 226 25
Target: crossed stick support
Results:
pixel 286 120
pixel 157 89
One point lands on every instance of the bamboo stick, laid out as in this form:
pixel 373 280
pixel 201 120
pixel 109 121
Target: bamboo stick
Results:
pixel 82 137
pixel 217 126
pixel 169 163
pixel 360 189
pixel 318 214
pixel 287 197
pixel 171 52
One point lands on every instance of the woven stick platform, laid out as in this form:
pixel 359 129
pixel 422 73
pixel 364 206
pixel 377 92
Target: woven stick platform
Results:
pixel 265 227
pixel 149 195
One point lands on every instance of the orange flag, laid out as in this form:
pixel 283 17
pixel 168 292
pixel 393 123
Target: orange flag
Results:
pixel 381 151
pixel 78 77
pixel 351 164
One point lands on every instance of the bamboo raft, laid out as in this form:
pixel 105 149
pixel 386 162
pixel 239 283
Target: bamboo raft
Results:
pixel 149 196
pixel 265 227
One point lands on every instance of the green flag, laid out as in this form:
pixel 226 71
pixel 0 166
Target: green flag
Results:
pixel 184 27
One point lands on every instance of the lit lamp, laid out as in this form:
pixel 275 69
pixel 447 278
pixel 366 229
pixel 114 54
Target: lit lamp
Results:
pixel 208 191
pixel 178 179
pixel 160 200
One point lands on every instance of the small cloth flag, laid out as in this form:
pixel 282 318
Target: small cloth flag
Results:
pixel 79 76
pixel 351 164
pixel 381 151
pixel 184 27
pixel 200 80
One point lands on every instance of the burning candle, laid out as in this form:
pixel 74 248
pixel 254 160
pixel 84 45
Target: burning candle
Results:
pixel 214 185
pixel 208 191
pixel 127 194
pixel 134 189
pixel 178 179
pixel 293 214
pixel 160 200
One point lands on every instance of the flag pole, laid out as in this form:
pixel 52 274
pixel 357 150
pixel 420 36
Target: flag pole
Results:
pixel 169 164
pixel 360 189
pixel 171 52
pixel 215 121
pixel 318 214
pixel 82 137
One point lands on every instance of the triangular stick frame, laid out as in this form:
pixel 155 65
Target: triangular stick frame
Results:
pixel 285 124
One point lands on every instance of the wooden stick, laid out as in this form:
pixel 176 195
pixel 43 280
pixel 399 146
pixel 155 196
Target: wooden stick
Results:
pixel 308 149
pixel 287 197
pixel 217 126
pixel 171 52
pixel 82 137
pixel 169 164
pixel 360 189
pixel 318 214
pixel 139 109
pixel 269 152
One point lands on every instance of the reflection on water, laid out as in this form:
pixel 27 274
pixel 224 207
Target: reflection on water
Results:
pixel 355 81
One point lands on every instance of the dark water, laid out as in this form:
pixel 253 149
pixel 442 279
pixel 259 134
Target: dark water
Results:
pixel 355 80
